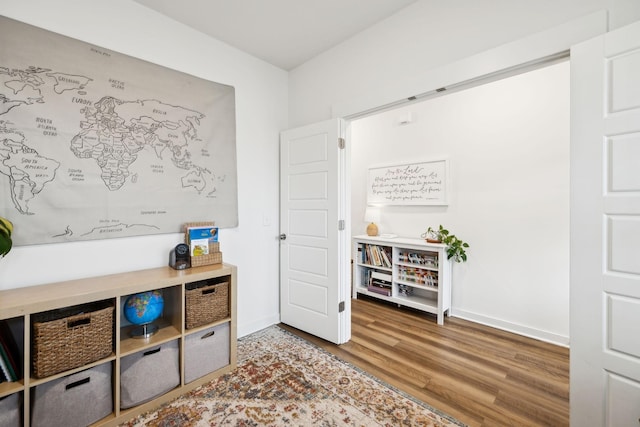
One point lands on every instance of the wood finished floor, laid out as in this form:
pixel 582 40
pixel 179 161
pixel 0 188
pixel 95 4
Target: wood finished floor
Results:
pixel 479 375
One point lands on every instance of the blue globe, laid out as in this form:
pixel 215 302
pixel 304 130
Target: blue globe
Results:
pixel 144 307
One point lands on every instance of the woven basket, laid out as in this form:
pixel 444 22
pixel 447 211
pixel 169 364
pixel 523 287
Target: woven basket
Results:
pixel 69 338
pixel 214 256
pixel 206 304
pixel 210 258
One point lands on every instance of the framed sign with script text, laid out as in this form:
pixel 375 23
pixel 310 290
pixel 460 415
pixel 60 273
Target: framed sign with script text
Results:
pixel 423 183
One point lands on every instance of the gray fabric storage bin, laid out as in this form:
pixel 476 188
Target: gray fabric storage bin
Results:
pixel 148 374
pixel 78 399
pixel 206 351
pixel 10 413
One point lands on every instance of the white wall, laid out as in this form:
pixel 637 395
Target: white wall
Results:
pixel 396 56
pixel 508 147
pixel 261 112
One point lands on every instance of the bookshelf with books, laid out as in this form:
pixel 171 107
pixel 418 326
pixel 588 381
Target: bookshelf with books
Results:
pixel 405 271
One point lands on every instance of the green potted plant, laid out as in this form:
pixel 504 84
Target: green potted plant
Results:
pixel 6 228
pixel 456 248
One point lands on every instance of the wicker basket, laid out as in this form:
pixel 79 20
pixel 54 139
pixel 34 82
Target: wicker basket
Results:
pixel 206 304
pixel 210 258
pixel 72 337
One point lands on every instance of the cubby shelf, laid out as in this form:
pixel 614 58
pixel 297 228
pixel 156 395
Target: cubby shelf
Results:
pixel 415 273
pixel 18 305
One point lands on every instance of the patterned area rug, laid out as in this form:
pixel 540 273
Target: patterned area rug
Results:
pixel 283 380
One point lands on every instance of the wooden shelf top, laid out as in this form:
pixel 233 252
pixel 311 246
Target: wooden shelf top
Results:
pixel 34 299
pixel 397 241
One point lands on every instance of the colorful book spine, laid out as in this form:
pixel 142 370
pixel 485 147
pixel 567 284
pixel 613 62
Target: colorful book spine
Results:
pixel 8 354
pixel 6 367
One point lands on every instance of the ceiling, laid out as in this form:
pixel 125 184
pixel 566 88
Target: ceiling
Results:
pixel 285 33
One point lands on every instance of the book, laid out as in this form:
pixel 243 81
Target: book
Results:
pixel 380 283
pixel 200 237
pixel 379 290
pixel 375 252
pixel 379 275
pixel 386 258
pixel 368 256
pixel 7 369
pixel 10 347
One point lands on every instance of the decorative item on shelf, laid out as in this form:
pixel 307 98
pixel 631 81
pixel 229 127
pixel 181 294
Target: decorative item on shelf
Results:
pixel 141 310
pixel 405 290
pixel 202 240
pixel 6 228
pixel 179 258
pixel 456 248
pixel 372 215
pixel 431 236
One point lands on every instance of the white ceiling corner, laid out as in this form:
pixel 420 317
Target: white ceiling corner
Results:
pixel 285 33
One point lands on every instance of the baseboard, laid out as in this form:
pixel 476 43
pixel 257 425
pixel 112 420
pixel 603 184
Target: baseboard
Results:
pixel 561 340
pixel 512 327
pixel 256 325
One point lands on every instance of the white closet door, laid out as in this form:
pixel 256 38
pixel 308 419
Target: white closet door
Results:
pixel 605 230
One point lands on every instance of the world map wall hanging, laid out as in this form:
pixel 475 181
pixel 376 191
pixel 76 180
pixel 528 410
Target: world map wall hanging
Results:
pixel 95 144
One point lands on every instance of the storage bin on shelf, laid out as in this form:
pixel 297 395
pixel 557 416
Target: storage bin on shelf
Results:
pixel 78 399
pixel 206 351
pixel 149 373
pixel 206 302
pixel 72 337
pixel 10 410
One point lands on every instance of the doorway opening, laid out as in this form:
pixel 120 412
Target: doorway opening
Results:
pixel 506 137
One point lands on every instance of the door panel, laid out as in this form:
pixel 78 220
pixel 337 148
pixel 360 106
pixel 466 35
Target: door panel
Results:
pixel 623 325
pixel 622 402
pixel 605 229
pixel 312 257
pixel 623 152
pixel 309 297
pixel 311 223
pixel 309 186
pixel 624 246
pixel 623 91
pixel 309 261
pixel 308 149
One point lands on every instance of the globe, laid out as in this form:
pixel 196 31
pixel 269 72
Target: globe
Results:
pixel 142 309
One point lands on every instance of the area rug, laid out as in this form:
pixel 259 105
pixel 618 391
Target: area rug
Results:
pixel 283 380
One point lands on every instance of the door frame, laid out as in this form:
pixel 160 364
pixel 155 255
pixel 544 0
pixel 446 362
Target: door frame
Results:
pixel 344 247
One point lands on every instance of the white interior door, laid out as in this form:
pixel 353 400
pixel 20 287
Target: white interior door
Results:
pixel 314 284
pixel 605 230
